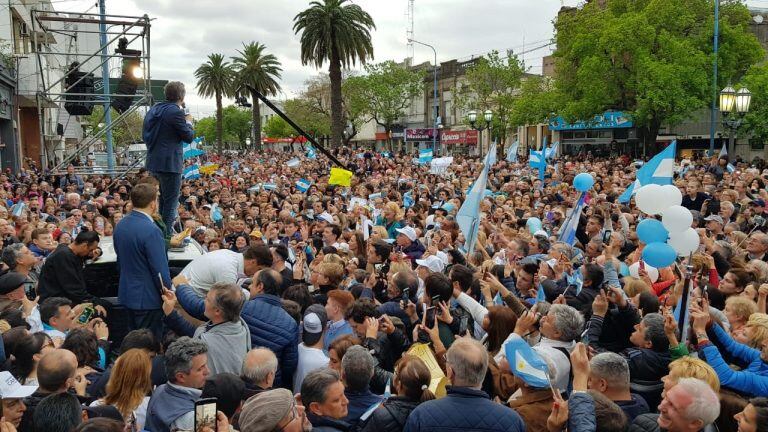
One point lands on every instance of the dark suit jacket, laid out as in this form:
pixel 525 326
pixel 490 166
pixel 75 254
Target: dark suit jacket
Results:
pixel 164 130
pixel 141 255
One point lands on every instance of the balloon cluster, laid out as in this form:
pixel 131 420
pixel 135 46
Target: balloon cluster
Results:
pixel 671 237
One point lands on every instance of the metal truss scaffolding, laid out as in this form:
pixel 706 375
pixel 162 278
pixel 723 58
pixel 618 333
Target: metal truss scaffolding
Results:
pixel 56 92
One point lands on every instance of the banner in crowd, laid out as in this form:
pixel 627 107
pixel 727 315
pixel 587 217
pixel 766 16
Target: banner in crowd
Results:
pixel 293 163
pixel 512 151
pixel 191 150
pixel 209 168
pixel 425 354
pixel 340 176
pixel 425 156
pixel 191 172
pixel 439 166
pixel 303 185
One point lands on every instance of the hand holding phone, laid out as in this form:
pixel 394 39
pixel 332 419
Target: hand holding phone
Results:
pixel 205 414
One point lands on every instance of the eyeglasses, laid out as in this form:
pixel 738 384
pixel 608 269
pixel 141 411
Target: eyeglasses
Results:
pixel 295 414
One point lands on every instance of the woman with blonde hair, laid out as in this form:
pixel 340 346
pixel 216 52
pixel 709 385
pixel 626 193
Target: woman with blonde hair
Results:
pixel 129 386
pixel 756 330
pixel 391 218
pixel 689 367
pixel 738 309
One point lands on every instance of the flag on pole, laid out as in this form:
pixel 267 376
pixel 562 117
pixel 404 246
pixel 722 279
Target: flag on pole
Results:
pixel 568 231
pixel 537 160
pixel 303 185
pixel 190 150
pixel 658 170
pixel 512 151
pixel 311 154
pixel 192 172
pixel 552 151
pixel 468 217
pixel 525 363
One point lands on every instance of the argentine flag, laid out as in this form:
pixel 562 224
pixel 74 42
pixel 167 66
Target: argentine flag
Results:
pixel 425 156
pixel 191 172
pixel 216 213
pixel 190 150
pixel 552 151
pixel 658 170
pixel 537 160
pixel 512 151
pixel 269 186
pixel 18 209
pixel 303 185
pixel 311 152
pixel 525 363
pixel 468 216
pixel 568 231
pixel 293 163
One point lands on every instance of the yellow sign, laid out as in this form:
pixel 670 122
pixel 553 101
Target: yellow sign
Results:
pixel 439 380
pixel 340 176
pixel 209 169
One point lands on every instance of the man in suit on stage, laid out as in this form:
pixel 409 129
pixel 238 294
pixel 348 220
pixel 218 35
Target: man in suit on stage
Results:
pixel 141 256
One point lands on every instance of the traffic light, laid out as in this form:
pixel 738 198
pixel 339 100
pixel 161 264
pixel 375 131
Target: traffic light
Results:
pixel 74 104
pixel 131 76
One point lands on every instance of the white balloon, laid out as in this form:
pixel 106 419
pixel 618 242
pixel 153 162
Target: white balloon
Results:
pixel 684 242
pixel 650 199
pixel 653 273
pixel 672 195
pixel 676 219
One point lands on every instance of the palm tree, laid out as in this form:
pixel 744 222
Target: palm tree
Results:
pixel 260 71
pixel 215 78
pixel 340 34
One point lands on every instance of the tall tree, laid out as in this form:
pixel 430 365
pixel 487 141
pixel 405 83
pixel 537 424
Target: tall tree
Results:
pixel 492 84
pixel 386 91
pixel 317 97
pixel 259 71
pixel 651 59
pixel 215 78
pixel 339 33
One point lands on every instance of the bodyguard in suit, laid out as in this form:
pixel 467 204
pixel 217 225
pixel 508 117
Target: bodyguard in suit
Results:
pixel 140 248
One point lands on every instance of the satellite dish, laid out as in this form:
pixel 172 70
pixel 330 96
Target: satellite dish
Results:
pixel 758 19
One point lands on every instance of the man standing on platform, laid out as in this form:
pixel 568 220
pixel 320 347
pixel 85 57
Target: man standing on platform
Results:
pixel 165 128
pixel 141 257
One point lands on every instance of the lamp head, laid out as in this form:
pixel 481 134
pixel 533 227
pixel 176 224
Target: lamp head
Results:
pixel 727 100
pixel 472 116
pixel 488 115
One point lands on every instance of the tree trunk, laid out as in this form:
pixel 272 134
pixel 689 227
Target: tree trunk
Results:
pixel 648 137
pixel 256 129
pixel 337 117
pixel 219 124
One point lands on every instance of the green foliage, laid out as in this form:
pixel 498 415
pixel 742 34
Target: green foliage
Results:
pixel 649 58
pixel 305 114
pixel 386 91
pixel 535 101
pixel 491 84
pixel 276 127
pixel 216 78
pixel 123 134
pixel 236 124
pixel 756 120
pixel 206 128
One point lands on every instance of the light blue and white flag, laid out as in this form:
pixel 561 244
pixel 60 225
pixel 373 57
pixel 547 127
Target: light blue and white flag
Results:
pixel 190 150
pixel 541 296
pixel 269 186
pixel 425 156
pixel 408 199
pixel 497 300
pixel 658 170
pixel 537 160
pixel 293 163
pixel 373 196
pixel 525 363
pixel 575 279
pixel 311 154
pixel 724 154
pixel 568 231
pixel 303 185
pixel 468 216
pixel 552 151
pixel 191 172
pixel 18 209
pixel 216 213
pixel 512 151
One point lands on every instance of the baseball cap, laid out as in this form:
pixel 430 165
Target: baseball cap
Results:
pixel 313 324
pixel 12 389
pixel 758 202
pixel 263 412
pixel 408 232
pixel 433 263
pixel 715 218
pixel 11 281
pixel 325 216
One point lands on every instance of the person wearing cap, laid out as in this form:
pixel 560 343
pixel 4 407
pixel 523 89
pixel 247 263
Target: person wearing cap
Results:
pixel 225 332
pixel 274 410
pixel 12 290
pixel 408 241
pixel 13 394
pixel 714 224
pixel 311 354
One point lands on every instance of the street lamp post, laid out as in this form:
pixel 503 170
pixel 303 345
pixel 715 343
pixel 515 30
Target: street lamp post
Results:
pixel 472 117
pixel 434 99
pixel 733 106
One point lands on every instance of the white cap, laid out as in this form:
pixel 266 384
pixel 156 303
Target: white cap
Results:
pixel 443 257
pixel 541 233
pixel 408 232
pixel 325 216
pixel 433 263
pixel 12 389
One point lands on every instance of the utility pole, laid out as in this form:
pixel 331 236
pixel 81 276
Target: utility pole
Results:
pixel 713 113
pixel 105 84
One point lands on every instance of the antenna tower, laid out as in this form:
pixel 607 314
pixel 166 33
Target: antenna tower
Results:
pixel 409 29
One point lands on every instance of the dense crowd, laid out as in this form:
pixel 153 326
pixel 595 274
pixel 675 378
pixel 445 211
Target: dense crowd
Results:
pixel 364 308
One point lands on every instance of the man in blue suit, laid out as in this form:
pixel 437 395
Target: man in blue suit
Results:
pixel 141 256
pixel 165 128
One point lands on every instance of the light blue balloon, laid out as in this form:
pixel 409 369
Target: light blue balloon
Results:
pixel 659 255
pixel 652 231
pixel 533 224
pixel 583 182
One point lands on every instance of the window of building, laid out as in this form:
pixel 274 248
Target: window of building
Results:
pixel 756 144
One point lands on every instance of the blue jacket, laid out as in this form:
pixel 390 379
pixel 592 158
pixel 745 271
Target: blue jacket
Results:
pixel 164 130
pixel 334 331
pixel 359 403
pixel 165 406
pixel 464 410
pixel 140 249
pixel 271 327
pixel 752 379
pixel 581 413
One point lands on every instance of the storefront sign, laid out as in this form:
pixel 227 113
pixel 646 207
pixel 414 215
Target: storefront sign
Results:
pixel 419 134
pixel 608 120
pixel 458 137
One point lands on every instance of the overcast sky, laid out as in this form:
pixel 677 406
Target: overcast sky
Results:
pixel 184 32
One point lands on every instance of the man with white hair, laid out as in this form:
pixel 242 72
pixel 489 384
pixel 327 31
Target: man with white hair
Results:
pixel 689 406
pixel 259 369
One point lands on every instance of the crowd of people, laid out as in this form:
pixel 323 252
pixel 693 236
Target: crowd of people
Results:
pixel 363 308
